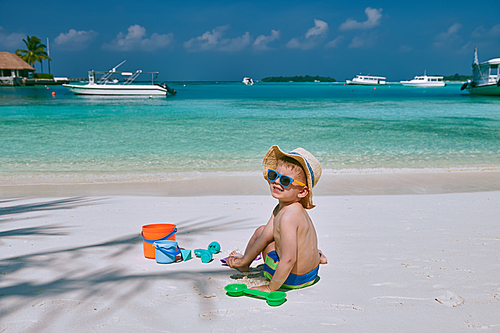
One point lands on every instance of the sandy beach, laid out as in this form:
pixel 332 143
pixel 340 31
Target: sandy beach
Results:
pixel 410 253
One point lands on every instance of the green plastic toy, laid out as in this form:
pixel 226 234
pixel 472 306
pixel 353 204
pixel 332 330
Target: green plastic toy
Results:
pixel 274 298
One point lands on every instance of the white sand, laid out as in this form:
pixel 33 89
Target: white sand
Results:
pixel 397 263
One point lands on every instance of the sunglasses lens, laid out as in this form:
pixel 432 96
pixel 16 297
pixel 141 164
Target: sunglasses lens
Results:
pixel 272 175
pixel 285 181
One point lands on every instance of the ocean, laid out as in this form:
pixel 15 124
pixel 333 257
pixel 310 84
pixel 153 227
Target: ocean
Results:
pixel 226 127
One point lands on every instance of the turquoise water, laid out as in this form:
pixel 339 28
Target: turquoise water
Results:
pixel 213 127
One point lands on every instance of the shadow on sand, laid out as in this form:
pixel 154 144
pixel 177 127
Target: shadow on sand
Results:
pixel 89 272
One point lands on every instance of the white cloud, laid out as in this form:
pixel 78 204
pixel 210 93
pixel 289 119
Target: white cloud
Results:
pixel 320 28
pixel 13 40
pixel 448 38
pixel 75 40
pixel 495 31
pixel 213 40
pixel 262 41
pixel 374 16
pixel 482 32
pixel 311 37
pixel 234 44
pixel 335 42
pixel 135 40
pixel 365 40
pixel 357 42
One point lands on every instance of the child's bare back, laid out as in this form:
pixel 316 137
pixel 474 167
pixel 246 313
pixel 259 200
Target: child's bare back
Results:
pixel 294 224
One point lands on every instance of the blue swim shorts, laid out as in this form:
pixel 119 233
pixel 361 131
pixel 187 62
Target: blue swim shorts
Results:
pixel 293 281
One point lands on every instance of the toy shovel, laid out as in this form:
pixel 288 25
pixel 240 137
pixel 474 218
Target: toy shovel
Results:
pixel 273 298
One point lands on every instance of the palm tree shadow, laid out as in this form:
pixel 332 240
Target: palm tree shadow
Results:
pixel 60 204
pixel 72 272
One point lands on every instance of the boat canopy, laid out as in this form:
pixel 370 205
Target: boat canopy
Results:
pixel 495 61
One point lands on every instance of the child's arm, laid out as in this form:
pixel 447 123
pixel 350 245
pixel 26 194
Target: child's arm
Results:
pixel 257 247
pixel 288 233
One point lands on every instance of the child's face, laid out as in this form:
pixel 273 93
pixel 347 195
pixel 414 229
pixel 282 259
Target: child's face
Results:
pixel 291 193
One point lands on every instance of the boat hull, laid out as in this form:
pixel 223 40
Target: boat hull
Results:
pixel 486 90
pixel 117 90
pixel 423 85
pixel 349 82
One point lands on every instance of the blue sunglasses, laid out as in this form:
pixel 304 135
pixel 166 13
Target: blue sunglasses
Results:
pixel 284 180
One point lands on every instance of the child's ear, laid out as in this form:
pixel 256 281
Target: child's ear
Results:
pixel 304 192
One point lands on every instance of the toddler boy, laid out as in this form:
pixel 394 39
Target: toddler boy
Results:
pixel 288 242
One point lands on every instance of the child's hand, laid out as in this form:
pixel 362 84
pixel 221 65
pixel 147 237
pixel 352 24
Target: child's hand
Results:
pixel 263 288
pixel 234 262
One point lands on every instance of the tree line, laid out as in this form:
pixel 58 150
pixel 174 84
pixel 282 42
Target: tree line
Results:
pixel 300 78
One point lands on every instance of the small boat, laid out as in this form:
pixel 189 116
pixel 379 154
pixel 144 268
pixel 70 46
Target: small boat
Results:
pixel 485 77
pixel 424 81
pixel 111 86
pixel 248 81
pixel 367 80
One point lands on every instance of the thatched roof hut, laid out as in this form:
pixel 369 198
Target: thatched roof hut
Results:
pixel 13 69
pixel 12 65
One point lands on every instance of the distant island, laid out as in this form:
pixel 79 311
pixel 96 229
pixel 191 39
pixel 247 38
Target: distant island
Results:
pixel 457 77
pixel 300 78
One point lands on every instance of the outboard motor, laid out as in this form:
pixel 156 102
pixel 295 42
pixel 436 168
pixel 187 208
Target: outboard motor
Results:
pixel 170 90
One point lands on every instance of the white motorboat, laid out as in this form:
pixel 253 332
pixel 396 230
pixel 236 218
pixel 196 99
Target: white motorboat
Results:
pixel 248 81
pixel 424 81
pixel 367 80
pixel 111 86
pixel 485 77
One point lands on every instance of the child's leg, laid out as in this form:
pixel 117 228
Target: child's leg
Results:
pixel 252 240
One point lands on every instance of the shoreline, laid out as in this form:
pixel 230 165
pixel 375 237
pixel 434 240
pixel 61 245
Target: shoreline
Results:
pixel 253 184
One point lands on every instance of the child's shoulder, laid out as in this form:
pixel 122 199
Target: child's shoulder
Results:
pixel 293 212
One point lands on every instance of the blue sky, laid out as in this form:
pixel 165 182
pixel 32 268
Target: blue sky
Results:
pixel 227 40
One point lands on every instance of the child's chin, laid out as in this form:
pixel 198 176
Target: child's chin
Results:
pixel 275 195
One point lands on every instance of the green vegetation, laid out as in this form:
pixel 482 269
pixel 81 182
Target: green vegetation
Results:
pixel 35 51
pixel 301 78
pixel 457 77
pixel 44 76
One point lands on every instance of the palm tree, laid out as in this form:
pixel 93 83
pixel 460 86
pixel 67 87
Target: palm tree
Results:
pixel 35 51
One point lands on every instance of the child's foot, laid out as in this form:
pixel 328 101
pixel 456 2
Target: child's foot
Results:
pixel 322 258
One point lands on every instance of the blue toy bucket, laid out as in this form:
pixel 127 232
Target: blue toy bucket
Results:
pixel 165 251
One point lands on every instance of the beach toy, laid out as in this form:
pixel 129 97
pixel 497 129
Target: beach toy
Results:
pixel 165 251
pixel 207 256
pixel 274 298
pixel 186 254
pixel 214 247
pixel 155 232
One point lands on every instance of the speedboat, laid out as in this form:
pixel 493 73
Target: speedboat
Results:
pixel 367 80
pixel 248 81
pixel 485 77
pixel 111 86
pixel 424 81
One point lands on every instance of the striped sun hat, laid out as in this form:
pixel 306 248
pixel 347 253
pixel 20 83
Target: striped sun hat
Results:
pixel 309 163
